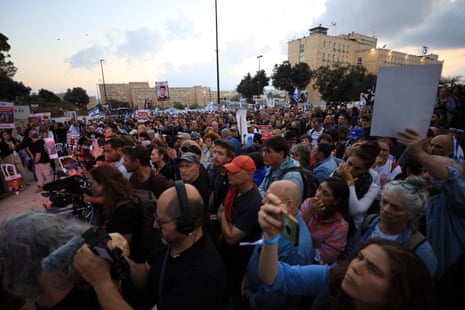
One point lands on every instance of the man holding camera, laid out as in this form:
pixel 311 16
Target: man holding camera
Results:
pixel 190 275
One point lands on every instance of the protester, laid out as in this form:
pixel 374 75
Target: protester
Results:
pixel 327 217
pixel 445 216
pixel 402 205
pixel 190 275
pixel 253 288
pixel 22 252
pixel 382 275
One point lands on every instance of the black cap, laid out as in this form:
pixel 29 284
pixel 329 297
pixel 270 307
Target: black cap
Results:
pixel 226 144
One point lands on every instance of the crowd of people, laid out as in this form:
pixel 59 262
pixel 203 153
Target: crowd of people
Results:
pixel 380 220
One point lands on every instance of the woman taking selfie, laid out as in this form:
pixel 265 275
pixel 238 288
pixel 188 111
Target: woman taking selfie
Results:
pixel 382 274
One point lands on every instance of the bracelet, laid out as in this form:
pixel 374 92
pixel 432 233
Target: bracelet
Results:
pixel 273 240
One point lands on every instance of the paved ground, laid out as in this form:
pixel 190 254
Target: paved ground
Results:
pixel 26 200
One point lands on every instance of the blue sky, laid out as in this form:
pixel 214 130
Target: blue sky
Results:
pixel 58 44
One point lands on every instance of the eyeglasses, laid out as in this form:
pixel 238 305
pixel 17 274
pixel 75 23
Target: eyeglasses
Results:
pixel 412 188
pixel 160 223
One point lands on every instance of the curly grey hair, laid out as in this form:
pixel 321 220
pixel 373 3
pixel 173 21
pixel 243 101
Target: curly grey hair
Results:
pixel 27 238
pixel 413 190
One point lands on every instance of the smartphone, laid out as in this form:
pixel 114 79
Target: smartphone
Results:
pixel 291 228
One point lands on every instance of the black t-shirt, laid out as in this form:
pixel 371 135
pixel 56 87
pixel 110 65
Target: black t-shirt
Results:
pixel 39 147
pixel 194 280
pixel 203 185
pixel 82 296
pixel 128 219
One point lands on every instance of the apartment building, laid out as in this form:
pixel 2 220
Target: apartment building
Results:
pixel 138 93
pixel 320 49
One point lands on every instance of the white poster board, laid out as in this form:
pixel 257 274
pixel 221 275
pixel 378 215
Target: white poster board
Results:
pixel 405 98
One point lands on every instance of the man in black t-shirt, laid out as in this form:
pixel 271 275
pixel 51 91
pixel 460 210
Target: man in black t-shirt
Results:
pixel 190 275
pixel 42 167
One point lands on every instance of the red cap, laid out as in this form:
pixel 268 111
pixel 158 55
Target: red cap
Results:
pixel 266 135
pixel 241 162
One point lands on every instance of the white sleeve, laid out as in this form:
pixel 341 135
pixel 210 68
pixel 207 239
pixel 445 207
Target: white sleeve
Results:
pixel 358 207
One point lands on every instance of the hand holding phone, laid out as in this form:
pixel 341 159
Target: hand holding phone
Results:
pixel 290 226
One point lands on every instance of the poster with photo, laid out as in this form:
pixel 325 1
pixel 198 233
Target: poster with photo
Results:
pixel 142 116
pixel 7 113
pixel 162 91
pixel 51 148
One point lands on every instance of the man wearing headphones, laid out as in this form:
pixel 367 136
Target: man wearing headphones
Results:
pixel 190 275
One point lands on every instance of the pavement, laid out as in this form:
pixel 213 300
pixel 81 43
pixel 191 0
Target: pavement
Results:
pixel 26 200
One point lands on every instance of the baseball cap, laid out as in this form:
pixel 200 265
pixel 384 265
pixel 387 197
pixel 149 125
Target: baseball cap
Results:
pixel 183 135
pixel 266 135
pixel 226 144
pixel 240 162
pixel 356 133
pixel 190 157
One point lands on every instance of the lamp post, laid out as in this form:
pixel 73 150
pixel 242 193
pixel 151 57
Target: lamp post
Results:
pixel 258 76
pixel 217 58
pixel 103 79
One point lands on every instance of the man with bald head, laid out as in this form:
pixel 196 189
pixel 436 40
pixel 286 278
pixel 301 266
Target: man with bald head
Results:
pixel 190 275
pixel 302 254
pixel 442 145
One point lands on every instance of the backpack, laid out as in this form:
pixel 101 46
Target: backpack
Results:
pixel 146 203
pixel 415 240
pixel 310 182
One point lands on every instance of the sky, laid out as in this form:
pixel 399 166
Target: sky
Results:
pixel 58 44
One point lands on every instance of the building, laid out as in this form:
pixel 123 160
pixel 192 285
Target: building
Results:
pixel 320 49
pixel 136 94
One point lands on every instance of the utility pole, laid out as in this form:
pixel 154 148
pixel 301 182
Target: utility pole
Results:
pixel 103 79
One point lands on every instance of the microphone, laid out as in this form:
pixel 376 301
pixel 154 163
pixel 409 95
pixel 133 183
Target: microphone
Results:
pixel 63 256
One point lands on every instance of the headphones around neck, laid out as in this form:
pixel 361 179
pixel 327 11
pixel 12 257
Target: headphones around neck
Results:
pixel 185 223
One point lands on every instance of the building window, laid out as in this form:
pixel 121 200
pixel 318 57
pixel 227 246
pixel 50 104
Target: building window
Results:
pixel 359 61
pixel 324 44
pixel 323 57
pixel 301 48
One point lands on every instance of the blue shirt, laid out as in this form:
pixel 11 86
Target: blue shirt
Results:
pixel 445 220
pixel 273 175
pixel 324 168
pixel 423 250
pixel 302 254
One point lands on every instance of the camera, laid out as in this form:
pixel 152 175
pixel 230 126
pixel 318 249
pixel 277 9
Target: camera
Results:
pixel 69 191
pixel 97 242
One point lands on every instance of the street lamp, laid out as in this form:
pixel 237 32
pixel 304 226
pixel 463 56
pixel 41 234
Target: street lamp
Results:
pixel 217 58
pixel 258 76
pixel 103 79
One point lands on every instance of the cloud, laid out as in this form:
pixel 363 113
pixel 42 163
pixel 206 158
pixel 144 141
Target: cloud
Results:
pixel 87 58
pixel 139 43
pixel 398 22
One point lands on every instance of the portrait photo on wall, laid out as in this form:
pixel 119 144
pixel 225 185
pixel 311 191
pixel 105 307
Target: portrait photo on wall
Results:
pixel 162 91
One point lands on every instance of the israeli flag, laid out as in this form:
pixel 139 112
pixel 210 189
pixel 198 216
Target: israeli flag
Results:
pixel 425 49
pixel 94 112
pixel 296 95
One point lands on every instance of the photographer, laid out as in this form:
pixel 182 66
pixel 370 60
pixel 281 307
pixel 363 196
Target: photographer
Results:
pixel 25 240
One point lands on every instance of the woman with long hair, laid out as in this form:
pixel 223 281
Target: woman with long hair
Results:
pixel 121 210
pixel 381 275
pixel 328 220
pixel 356 172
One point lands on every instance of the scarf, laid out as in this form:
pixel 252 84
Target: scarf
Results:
pixel 229 202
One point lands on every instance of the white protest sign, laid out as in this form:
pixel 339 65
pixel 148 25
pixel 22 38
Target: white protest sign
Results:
pixel 405 98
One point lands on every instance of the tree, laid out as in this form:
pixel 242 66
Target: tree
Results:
pixel 7 67
pixel 247 88
pixel 285 77
pixel 450 81
pixel 48 96
pixel 11 90
pixel 77 96
pixel 342 82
